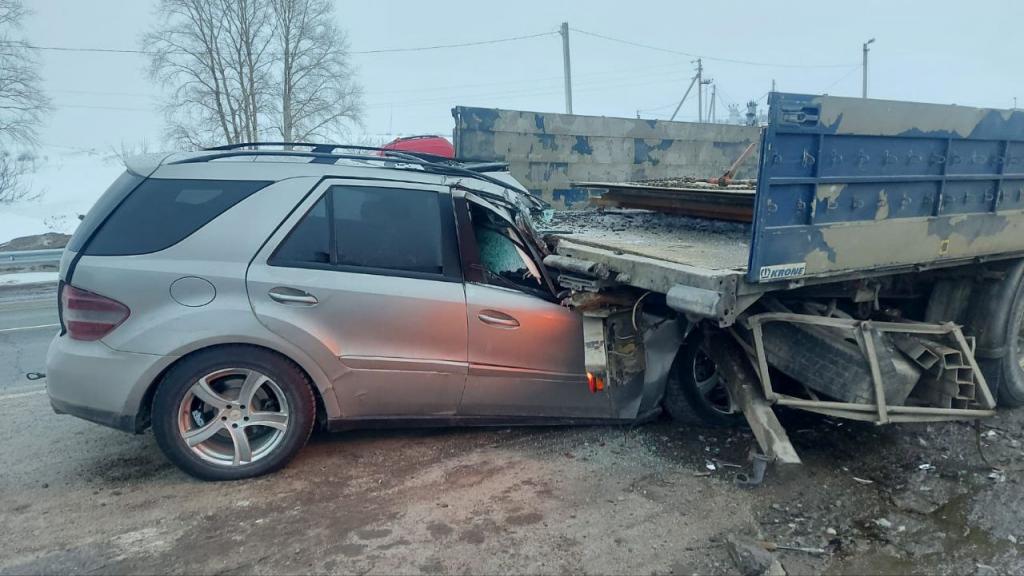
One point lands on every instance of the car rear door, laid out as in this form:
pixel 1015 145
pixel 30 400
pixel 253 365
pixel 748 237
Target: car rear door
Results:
pixel 526 356
pixel 365 276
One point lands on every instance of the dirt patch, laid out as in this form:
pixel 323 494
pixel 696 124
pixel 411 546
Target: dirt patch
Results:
pixel 36 242
pixel 655 499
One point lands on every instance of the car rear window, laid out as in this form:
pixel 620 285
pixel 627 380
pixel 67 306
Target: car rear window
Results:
pixel 117 191
pixel 160 213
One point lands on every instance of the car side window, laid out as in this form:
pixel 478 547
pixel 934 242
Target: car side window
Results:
pixel 388 228
pixel 369 229
pixel 309 242
pixel 504 261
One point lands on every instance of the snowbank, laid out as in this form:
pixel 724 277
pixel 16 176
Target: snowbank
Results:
pixel 66 183
pixel 19 278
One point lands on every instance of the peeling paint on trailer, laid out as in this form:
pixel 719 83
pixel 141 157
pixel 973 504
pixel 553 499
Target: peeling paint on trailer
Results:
pixel 848 184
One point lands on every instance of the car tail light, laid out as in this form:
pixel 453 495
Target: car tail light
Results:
pixel 89 316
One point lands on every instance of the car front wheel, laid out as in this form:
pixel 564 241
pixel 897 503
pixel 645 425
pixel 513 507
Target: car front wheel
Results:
pixel 696 392
pixel 233 412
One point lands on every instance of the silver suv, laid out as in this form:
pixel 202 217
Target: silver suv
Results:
pixel 233 298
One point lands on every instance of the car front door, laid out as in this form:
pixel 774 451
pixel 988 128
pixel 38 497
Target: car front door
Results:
pixel 365 277
pixel 526 356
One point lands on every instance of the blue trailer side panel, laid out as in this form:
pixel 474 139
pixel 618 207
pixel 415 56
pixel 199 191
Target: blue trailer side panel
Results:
pixel 850 184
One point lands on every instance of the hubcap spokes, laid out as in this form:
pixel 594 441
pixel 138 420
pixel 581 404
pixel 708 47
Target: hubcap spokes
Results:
pixel 233 416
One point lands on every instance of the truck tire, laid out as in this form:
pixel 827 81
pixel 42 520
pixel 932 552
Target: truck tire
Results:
pixel 694 393
pixel 996 319
pixel 1011 388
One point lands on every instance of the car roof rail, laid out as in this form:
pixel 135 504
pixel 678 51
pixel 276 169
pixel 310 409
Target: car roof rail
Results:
pixel 326 153
pixel 329 148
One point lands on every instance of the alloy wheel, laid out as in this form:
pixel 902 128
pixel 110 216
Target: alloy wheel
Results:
pixel 710 384
pixel 233 416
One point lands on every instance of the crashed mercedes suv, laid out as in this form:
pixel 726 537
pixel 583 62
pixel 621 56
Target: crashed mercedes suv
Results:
pixel 232 299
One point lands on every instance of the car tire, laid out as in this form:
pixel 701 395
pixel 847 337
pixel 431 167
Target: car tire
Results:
pixel 203 424
pixel 690 397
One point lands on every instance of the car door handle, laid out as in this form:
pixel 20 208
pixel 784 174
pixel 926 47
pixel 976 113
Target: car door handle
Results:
pixel 498 319
pixel 286 295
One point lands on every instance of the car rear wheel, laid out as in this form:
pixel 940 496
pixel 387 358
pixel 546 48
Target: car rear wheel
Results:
pixel 696 392
pixel 233 412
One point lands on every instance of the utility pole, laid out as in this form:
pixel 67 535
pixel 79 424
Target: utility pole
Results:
pixel 701 117
pixel 568 70
pixel 711 108
pixel 700 90
pixel 680 105
pixel 864 84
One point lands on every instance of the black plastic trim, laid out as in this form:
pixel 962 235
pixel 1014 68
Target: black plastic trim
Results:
pixel 125 423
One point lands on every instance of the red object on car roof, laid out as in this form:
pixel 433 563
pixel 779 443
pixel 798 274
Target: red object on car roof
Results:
pixel 436 145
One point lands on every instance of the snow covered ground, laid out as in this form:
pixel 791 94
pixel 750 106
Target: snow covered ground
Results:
pixel 18 278
pixel 66 183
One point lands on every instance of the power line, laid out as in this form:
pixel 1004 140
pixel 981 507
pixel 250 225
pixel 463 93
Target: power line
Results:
pixel 695 55
pixel 377 51
pixel 841 78
pixel 73 48
pixel 104 93
pixel 459 45
pixel 59 105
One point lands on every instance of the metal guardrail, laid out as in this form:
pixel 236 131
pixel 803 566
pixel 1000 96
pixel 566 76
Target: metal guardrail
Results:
pixel 48 256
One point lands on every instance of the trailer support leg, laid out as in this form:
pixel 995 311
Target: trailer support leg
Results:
pixel 743 386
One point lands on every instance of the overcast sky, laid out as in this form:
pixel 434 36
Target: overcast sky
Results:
pixel 943 51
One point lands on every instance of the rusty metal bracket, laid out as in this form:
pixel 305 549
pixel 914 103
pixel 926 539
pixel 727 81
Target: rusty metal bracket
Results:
pixel 866 332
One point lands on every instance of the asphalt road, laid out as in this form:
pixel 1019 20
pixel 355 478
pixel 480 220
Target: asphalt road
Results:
pixel 655 499
pixel 28 321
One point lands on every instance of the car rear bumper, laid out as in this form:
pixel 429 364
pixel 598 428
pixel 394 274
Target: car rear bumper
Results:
pixel 125 422
pixel 96 383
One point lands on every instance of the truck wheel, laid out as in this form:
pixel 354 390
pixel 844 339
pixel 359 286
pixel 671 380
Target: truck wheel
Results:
pixel 1011 388
pixel 233 412
pixel 996 318
pixel 695 392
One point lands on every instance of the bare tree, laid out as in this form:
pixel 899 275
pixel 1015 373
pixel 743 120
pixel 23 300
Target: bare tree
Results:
pixel 213 56
pixel 129 150
pixel 243 70
pixel 23 104
pixel 315 89
pixel 12 185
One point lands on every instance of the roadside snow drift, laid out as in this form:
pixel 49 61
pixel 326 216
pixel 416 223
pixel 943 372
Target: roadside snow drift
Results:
pixel 64 185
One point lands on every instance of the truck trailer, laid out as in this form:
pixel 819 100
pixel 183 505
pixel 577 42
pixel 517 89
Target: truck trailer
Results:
pixel 879 278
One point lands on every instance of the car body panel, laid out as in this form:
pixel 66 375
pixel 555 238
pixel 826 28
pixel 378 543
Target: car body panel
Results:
pixel 395 345
pixel 535 368
pixel 81 380
pixel 219 253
